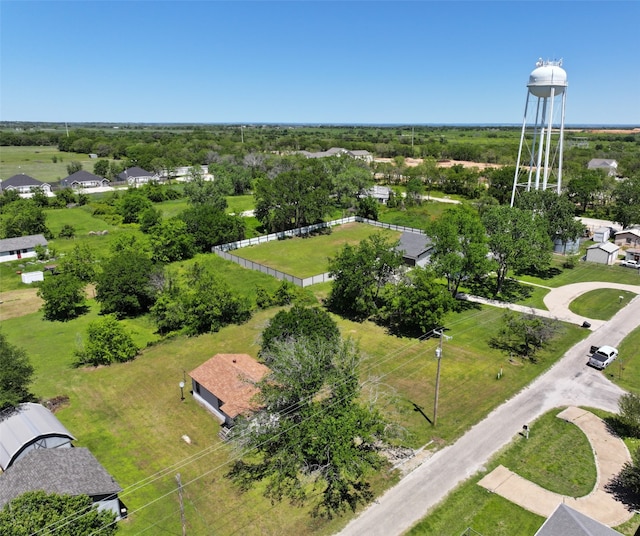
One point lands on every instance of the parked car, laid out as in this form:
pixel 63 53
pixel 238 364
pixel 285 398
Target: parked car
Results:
pixel 603 356
pixel 630 264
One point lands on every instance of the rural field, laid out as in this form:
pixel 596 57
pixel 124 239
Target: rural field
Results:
pixel 131 416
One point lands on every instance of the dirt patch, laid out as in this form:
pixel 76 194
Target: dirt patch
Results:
pixel 413 162
pixel 17 303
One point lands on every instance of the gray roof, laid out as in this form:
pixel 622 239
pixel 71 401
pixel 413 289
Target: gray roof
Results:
pixel 23 426
pixel 20 180
pixel 68 471
pixel 566 521
pixel 134 171
pixel 414 245
pixel 81 176
pixel 609 247
pixel 602 163
pixel 22 242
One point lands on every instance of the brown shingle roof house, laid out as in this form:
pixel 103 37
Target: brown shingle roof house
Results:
pixel 225 385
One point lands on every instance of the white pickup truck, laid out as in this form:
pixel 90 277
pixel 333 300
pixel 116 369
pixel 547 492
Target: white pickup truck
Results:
pixel 602 356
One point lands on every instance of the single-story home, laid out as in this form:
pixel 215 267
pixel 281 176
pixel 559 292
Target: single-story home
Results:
pixel 25 185
pixel 604 253
pixel 610 166
pixel 416 248
pixel 73 471
pixel 135 176
pixel 83 179
pixel 29 427
pixel 566 521
pixel 225 385
pixel 358 154
pixel 627 237
pixel 13 249
pixel 380 193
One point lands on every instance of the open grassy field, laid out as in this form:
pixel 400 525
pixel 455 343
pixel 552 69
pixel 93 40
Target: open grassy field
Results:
pixel 601 304
pixel 38 162
pixel 304 257
pixel 131 416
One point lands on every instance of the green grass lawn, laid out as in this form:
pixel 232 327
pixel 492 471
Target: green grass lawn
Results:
pixel 601 304
pixel 304 257
pixel 557 456
pixel 38 163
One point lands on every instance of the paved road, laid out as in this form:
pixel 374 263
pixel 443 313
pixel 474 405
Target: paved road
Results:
pixel 568 382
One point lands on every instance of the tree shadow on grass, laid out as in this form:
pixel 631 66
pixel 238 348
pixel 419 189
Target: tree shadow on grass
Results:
pixel 512 290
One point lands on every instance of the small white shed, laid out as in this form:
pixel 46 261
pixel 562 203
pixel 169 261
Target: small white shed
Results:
pixel 605 253
pixel 602 234
pixel 31 277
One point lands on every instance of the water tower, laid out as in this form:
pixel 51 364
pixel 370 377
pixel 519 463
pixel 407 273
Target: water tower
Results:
pixel 539 164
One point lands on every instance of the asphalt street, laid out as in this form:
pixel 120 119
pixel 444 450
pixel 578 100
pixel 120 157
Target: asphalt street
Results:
pixel 568 383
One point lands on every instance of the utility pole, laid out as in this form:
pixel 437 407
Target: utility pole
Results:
pixel 184 525
pixel 439 357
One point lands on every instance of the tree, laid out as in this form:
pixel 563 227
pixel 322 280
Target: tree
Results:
pixel 37 512
pixel 359 273
pixel 299 322
pixel 107 342
pixel 626 210
pixel 132 204
pixel 63 297
pixel 124 285
pixel 629 413
pixel 149 218
pixel 417 304
pixel 101 168
pixel 202 192
pixel 518 241
pixel 294 198
pixel 350 183
pixel 21 218
pixel 204 304
pixel 629 478
pixel 368 208
pixel 524 334
pixel 16 374
pixel 583 189
pixel 501 183
pixel 170 241
pixel 80 263
pixel 74 167
pixel 311 428
pixel 459 246
pixel 67 231
pixel 209 226
pixel 557 211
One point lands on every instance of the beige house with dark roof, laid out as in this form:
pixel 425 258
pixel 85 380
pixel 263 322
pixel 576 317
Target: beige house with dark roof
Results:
pixel 226 385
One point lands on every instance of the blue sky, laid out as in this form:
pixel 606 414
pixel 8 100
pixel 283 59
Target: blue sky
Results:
pixel 313 61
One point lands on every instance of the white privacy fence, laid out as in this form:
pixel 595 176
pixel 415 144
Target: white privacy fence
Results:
pixel 223 250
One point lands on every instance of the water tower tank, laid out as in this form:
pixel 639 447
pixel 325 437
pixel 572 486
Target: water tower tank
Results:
pixel 547 75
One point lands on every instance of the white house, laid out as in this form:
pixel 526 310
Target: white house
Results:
pixel 380 193
pixel 610 166
pixel 84 179
pixel 136 176
pixel 12 249
pixel 25 185
pixel 603 253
